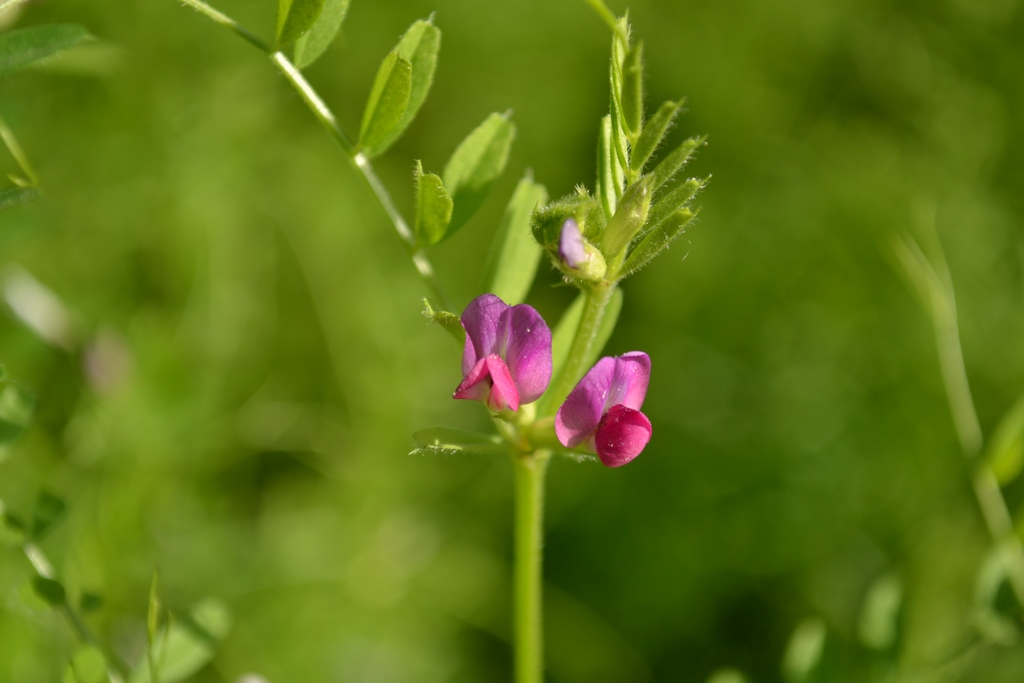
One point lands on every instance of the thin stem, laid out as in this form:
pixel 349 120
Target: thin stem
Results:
pixel 329 121
pixel 529 539
pixel 597 298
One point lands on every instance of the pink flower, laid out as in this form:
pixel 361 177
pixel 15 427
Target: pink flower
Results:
pixel 602 414
pixel 507 358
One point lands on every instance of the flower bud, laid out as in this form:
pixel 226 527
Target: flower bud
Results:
pixel 628 219
pixel 578 257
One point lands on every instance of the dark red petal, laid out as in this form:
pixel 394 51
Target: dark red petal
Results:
pixel 622 435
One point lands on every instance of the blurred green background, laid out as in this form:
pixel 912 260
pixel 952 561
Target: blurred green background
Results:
pixel 260 360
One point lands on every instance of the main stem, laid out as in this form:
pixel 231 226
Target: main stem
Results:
pixel 530 469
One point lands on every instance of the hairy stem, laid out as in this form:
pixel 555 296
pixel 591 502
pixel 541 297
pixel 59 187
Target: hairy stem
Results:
pixel 529 540
pixel 356 159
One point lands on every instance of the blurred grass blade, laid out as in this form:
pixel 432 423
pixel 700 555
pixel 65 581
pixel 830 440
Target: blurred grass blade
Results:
pixel 445 441
pixel 449 321
pixel 188 645
pixel 656 241
pixel 318 38
pixel 16 409
pixel 433 207
pixel 670 165
pixel 47 512
pixel 11 197
pixel 1005 452
pixel 475 164
pixel 516 254
pixel 87 665
pixel 653 133
pixel 152 626
pixel 387 102
pixel 24 46
pixel 632 99
pixel 419 46
pixel 295 18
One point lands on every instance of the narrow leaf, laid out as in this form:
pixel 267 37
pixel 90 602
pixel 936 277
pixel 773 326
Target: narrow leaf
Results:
pixel 879 622
pixel 419 46
pixel 433 207
pixel 670 203
pixel 657 241
pixel 318 38
pixel 670 165
pixel 1006 449
pixel 445 441
pixel 89 602
pixel 516 254
pixel 22 47
pixel 295 18
pixel 475 164
pixel 653 133
pixel 12 528
pixel 609 184
pixel 51 592
pixel 449 321
pixel 48 511
pixel 152 627
pixel 187 645
pixel 87 666
pixel 632 99
pixel 387 102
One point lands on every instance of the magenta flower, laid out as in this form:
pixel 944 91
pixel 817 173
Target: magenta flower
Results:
pixel 507 358
pixel 602 414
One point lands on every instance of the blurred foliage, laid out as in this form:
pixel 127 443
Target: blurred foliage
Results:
pixel 244 361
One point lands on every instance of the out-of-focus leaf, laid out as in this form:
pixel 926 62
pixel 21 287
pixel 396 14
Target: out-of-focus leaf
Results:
pixel 653 133
pixel 433 207
pixel 49 590
pixel 677 158
pixel 803 653
pixel 727 676
pixel 89 602
pixel 449 321
pixel 565 331
pixel 878 627
pixel 87 666
pixel 516 254
pixel 632 99
pixel 295 18
pixel 21 47
pixel 419 46
pixel 187 645
pixel 317 39
pixel 16 408
pixel 11 197
pixel 12 528
pixel 997 615
pixel 152 627
pixel 1005 453
pixel 445 441
pixel 656 241
pixel 387 102
pixel 475 164
pixel 47 512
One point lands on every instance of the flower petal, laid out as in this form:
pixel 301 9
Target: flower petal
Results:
pixel 489 381
pixel 622 435
pixel 629 382
pixel 583 407
pixel 483 329
pixel 527 351
pixel 570 245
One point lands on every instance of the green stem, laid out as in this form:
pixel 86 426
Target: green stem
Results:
pixel 529 540
pixel 597 298
pixel 356 159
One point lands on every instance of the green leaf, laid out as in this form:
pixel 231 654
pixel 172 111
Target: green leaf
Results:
pixel 565 331
pixel 727 676
pixel 152 627
pixel 516 254
pixel 187 645
pixel 996 611
pixel 475 164
pixel 878 626
pixel 16 408
pixel 1005 454
pixel 87 666
pixel 317 39
pixel 670 165
pixel 22 47
pixel 803 653
pixel 445 441
pixel 89 602
pixel 419 46
pixel 632 99
pixel 449 321
pixel 16 196
pixel 656 241
pixel 51 592
pixel 296 17
pixel 48 511
pixel 671 203
pixel 653 133
pixel 387 102
pixel 433 207
pixel 610 177
pixel 12 528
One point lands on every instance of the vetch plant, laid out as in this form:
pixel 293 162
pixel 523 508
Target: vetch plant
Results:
pixel 545 389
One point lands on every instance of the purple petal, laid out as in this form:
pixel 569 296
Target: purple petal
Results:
pixel 629 381
pixel 489 381
pixel 527 351
pixel 483 331
pixel 570 245
pixel 622 435
pixel 583 407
